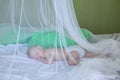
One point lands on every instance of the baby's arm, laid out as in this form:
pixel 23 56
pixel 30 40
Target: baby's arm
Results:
pixel 93 55
pixel 90 55
pixel 48 56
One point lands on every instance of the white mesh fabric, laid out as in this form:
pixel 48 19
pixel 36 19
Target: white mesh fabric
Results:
pixel 39 15
pixel 29 16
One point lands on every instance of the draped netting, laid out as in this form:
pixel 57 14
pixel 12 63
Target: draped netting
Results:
pixel 35 22
pixel 26 17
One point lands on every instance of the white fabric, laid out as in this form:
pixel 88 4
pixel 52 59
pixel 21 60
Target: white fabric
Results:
pixel 77 48
pixel 44 15
pixel 25 68
pixel 41 16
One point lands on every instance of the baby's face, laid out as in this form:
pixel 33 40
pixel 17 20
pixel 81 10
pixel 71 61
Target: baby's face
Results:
pixel 36 53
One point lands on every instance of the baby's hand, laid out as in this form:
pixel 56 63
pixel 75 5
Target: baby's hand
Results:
pixel 75 56
pixel 72 63
pixel 107 55
pixel 48 61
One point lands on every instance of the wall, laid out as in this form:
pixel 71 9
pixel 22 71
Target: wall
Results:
pixel 99 16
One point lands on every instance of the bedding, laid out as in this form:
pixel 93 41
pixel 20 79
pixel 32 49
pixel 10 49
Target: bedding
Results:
pixel 20 67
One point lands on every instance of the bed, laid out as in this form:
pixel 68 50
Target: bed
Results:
pixel 20 67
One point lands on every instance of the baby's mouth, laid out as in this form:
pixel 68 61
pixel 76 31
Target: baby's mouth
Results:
pixel 40 58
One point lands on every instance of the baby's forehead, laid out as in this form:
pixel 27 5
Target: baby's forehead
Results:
pixel 33 48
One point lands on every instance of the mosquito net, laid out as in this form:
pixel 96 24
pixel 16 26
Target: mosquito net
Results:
pixel 49 25
pixel 20 19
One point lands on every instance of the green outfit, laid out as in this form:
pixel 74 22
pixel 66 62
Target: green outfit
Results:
pixel 50 39
pixel 44 39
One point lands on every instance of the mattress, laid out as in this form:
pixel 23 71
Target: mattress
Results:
pixel 15 65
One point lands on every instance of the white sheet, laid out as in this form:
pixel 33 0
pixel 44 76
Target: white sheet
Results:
pixel 24 68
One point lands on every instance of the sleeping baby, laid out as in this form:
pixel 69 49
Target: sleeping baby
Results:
pixel 72 54
pixel 50 55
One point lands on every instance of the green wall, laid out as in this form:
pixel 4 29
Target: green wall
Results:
pixel 99 16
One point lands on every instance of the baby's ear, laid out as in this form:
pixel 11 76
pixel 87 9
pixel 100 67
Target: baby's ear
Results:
pixel 39 47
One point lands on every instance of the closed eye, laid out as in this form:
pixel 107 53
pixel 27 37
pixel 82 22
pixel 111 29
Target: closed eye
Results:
pixel 36 55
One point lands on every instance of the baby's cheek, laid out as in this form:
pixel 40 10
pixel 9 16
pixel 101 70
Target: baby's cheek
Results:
pixel 32 56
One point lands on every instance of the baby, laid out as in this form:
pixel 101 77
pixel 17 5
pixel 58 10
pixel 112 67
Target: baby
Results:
pixel 49 55
pixel 72 55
